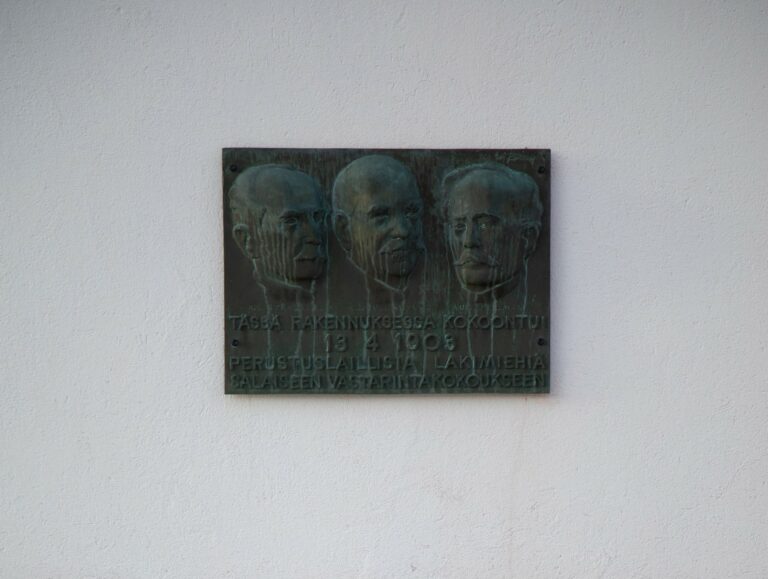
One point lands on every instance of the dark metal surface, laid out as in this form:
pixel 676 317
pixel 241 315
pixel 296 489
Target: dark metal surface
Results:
pixel 386 271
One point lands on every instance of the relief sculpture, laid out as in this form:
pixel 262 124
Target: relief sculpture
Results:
pixel 493 219
pixel 353 271
pixel 279 223
pixel 377 219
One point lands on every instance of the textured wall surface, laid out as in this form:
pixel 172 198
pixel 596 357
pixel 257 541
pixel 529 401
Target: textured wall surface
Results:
pixel 121 457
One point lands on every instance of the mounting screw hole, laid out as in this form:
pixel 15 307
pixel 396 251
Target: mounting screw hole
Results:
pixel 541 341
pixel 542 169
pixel 234 168
pixel 235 343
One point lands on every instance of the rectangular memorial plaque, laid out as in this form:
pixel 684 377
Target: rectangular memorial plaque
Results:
pixel 386 271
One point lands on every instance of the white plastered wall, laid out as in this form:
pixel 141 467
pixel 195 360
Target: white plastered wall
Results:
pixel 121 457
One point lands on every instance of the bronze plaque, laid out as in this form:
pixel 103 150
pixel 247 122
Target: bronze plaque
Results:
pixel 397 271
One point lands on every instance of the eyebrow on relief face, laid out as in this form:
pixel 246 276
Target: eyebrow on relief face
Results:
pixel 379 210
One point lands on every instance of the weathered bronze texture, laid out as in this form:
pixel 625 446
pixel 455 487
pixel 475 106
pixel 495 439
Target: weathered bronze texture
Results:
pixel 352 271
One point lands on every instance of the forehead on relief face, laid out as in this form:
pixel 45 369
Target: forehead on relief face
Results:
pixel 371 180
pixel 276 188
pixel 491 188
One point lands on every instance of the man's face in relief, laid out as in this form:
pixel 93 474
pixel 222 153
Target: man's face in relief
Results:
pixel 381 210
pixel 488 233
pixel 286 225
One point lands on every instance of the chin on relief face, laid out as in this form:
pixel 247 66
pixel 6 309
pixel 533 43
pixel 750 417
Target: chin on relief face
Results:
pixel 493 218
pixel 279 223
pixel 377 217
